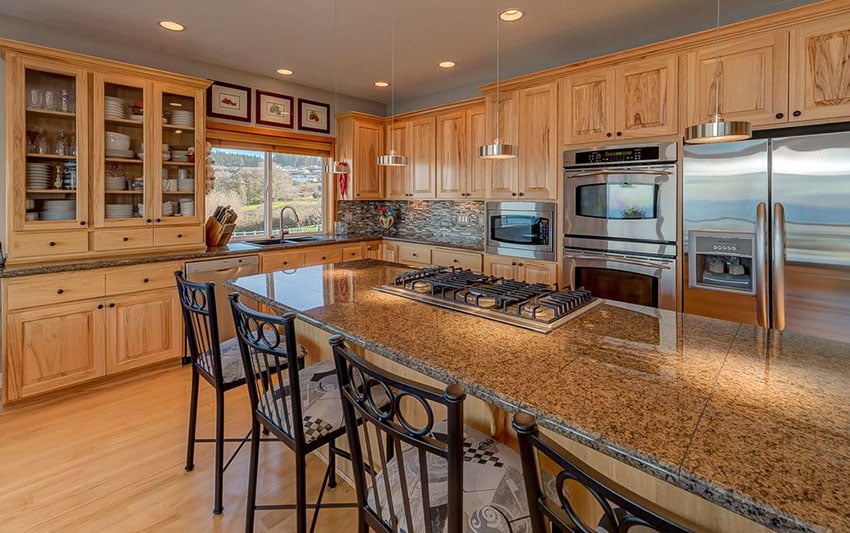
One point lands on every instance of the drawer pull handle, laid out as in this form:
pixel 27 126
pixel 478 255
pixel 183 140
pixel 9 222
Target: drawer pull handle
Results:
pixel 111 304
pixel 60 291
pixel 51 243
pixel 100 306
pixel 796 113
pixel 455 261
pixel 145 280
pixel 126 239
pixel 780 115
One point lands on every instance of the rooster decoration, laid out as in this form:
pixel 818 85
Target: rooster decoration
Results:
pixel 387 219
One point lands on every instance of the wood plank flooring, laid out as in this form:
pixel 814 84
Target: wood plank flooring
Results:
pixel 111 459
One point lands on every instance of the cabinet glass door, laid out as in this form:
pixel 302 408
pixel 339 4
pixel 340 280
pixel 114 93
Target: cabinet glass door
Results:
pixel 119 147
pixel 179 201
pixel 52 175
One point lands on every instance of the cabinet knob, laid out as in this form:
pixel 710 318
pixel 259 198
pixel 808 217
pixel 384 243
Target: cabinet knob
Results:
pixel 82 223
pixel 148 221
pixel 179 235
pixel 324 258
pixel 126 239
pixel 111 304
pixel 797 113
pixel 513 194
pixel 513 263
pixel 159 220
pixel 414 255
pixel 51 243
pixel 780 115
pixel 100 306
pixel 286 262
pixel 60 291
pixel 608 134
pixel 520 264
pixel 522 194
pixel 146 280
pixel 455 261
pixel 619 134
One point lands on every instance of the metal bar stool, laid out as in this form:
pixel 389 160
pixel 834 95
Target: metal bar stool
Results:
pixel 217 363
pixel 300 409
pixel 550 500
pixel 430 475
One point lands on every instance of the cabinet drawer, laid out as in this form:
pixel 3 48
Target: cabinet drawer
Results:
pixel 273 261
pixel 53 289
pixel 122 239
pixel 351 253
pixel 51 243
pixel 414 253
pixel 322 255
pixel 142 278
pixel 178 236
pixel 452 258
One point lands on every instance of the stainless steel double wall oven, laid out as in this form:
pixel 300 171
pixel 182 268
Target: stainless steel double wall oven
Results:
pixel 620 222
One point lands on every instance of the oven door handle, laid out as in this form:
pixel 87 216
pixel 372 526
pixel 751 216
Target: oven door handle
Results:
pixel 663 265
pixel 605 171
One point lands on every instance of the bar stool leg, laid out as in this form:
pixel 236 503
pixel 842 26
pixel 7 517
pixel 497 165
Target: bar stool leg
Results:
pixel 219 451
pixel 193 417
pixel 301 494
pixel 252 477
pixel 332 464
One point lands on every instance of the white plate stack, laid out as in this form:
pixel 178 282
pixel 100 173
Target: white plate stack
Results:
pixel 182 117
pixel 118 145
pixel 187 207
pixel 180 156
pixel 39 176
pixel 167 209
pixel 119 210
pixel 115 183
pixel 186 185
pixel 58 210
pixel 114 107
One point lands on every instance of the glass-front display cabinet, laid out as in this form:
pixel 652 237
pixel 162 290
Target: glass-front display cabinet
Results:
pixel 48 152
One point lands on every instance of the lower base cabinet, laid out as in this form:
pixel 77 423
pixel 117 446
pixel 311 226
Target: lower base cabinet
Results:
pixel 521 269
pixel 142 329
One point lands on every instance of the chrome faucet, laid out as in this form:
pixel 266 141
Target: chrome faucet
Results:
pixel 283 230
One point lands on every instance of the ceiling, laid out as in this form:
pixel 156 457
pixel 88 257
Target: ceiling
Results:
pixel 260 36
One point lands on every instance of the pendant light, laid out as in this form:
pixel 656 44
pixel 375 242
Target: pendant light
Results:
pixel 497 150
pixel 334 166
pixel 392 159
pixel 717 130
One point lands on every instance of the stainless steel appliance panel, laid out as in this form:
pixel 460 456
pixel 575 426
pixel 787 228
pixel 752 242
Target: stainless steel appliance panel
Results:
pixel 218 271
pixel 810 220
pixel 522 229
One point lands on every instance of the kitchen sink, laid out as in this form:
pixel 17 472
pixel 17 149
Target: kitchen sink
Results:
pixel 288 240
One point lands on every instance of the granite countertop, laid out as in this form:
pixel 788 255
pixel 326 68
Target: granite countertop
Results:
pixel 461 246
pixel 754 421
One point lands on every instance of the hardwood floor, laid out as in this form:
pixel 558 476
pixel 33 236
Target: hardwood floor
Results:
pixel 111 459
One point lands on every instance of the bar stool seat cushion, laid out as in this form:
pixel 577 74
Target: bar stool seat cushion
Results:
pixel 232 369
pixel 493 489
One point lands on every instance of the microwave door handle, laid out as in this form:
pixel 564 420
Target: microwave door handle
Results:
pixel 604 171
pixel 629 261
pixel 761 265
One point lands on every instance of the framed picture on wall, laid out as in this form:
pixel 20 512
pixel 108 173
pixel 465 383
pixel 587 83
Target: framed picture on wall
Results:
pixel 274 109
pixel 314 116
pixel 226 100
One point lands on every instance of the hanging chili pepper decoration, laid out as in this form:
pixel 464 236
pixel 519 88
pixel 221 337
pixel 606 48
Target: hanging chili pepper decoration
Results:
pixel 343 180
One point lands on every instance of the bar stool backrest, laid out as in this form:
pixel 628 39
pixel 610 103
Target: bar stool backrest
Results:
pixel 390 421
pixel 621 509
pixel 200 322
pixel 268 348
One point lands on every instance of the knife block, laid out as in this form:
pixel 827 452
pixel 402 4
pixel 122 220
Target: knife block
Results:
pixel 217 234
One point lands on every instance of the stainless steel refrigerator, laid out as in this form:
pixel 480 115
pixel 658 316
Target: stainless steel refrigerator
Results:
pixel 766 228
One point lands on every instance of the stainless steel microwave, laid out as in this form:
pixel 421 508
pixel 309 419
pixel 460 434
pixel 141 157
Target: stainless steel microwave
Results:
pixel 522 229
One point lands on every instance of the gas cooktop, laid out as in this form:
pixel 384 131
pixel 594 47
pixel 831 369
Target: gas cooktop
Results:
pixel 533 306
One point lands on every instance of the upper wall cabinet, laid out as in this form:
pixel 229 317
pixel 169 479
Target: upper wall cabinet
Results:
pixel 753 80
pixel 397 137
pixel 361 139
pixel 422 157
pixel 820 69
pixel 634 99
pixel 461 174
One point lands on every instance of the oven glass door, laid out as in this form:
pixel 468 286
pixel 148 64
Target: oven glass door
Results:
pixel 520 229
pixel 622 204
pixel 639 289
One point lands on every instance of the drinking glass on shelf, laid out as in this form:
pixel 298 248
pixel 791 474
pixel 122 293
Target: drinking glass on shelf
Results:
pixel 32 141
pixel 50 100
pixel 61 146
pixel 34 98
pixel 65 102
pixel 42 143
pixel 72 144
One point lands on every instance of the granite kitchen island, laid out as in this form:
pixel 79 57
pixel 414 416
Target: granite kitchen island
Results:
pixel 753 421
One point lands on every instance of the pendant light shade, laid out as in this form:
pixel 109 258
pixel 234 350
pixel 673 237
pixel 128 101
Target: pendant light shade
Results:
pixel 335 167
pixel 718 130
pixel 497 150
pixel 392 159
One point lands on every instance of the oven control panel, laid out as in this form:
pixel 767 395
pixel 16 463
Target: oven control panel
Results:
pixel 646 153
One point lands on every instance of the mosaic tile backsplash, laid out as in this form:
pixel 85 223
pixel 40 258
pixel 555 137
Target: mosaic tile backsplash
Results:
pixel 428 220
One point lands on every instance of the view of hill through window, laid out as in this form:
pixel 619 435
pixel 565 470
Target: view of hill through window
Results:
pixel 248 181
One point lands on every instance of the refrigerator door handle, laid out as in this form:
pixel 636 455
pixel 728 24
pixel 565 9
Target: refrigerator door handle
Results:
pixel 761 265
pixel 778 266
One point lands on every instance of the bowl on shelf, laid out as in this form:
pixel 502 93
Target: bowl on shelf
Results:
pixel 186 185
pixel 117 141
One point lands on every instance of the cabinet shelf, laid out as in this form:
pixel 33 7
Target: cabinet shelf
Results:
pixel 177 127
pixel 140 191
pixel 53 156
pixel 178 163
pixel 45 112
pixel 52 191
pixel 123 160
pixel 184 193
pixel 124 121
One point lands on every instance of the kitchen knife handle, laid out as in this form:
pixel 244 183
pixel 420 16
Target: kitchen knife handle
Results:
pixel 761 265
pixel 778 280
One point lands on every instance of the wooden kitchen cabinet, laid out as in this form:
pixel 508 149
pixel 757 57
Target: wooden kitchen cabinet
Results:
pixel 390 252
pixel 819 84
pixel 142 328
pixel 587 106
pixel 528 118
pixel 360 140
pixel 414 254
pixel 372 250
pixel 456 258
pixel 397 179
pixel 52 347
pixel 422 156
pixel 461 174
pixel 753 73
pixel 521 269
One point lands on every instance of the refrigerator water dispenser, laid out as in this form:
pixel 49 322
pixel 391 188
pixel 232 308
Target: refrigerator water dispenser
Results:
pixel 721 261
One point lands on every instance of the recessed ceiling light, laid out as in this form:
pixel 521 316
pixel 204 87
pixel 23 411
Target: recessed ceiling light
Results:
pixel 170 25
pixel 446 64
pixel 285 72
pixel 510 15
pixel 382 84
